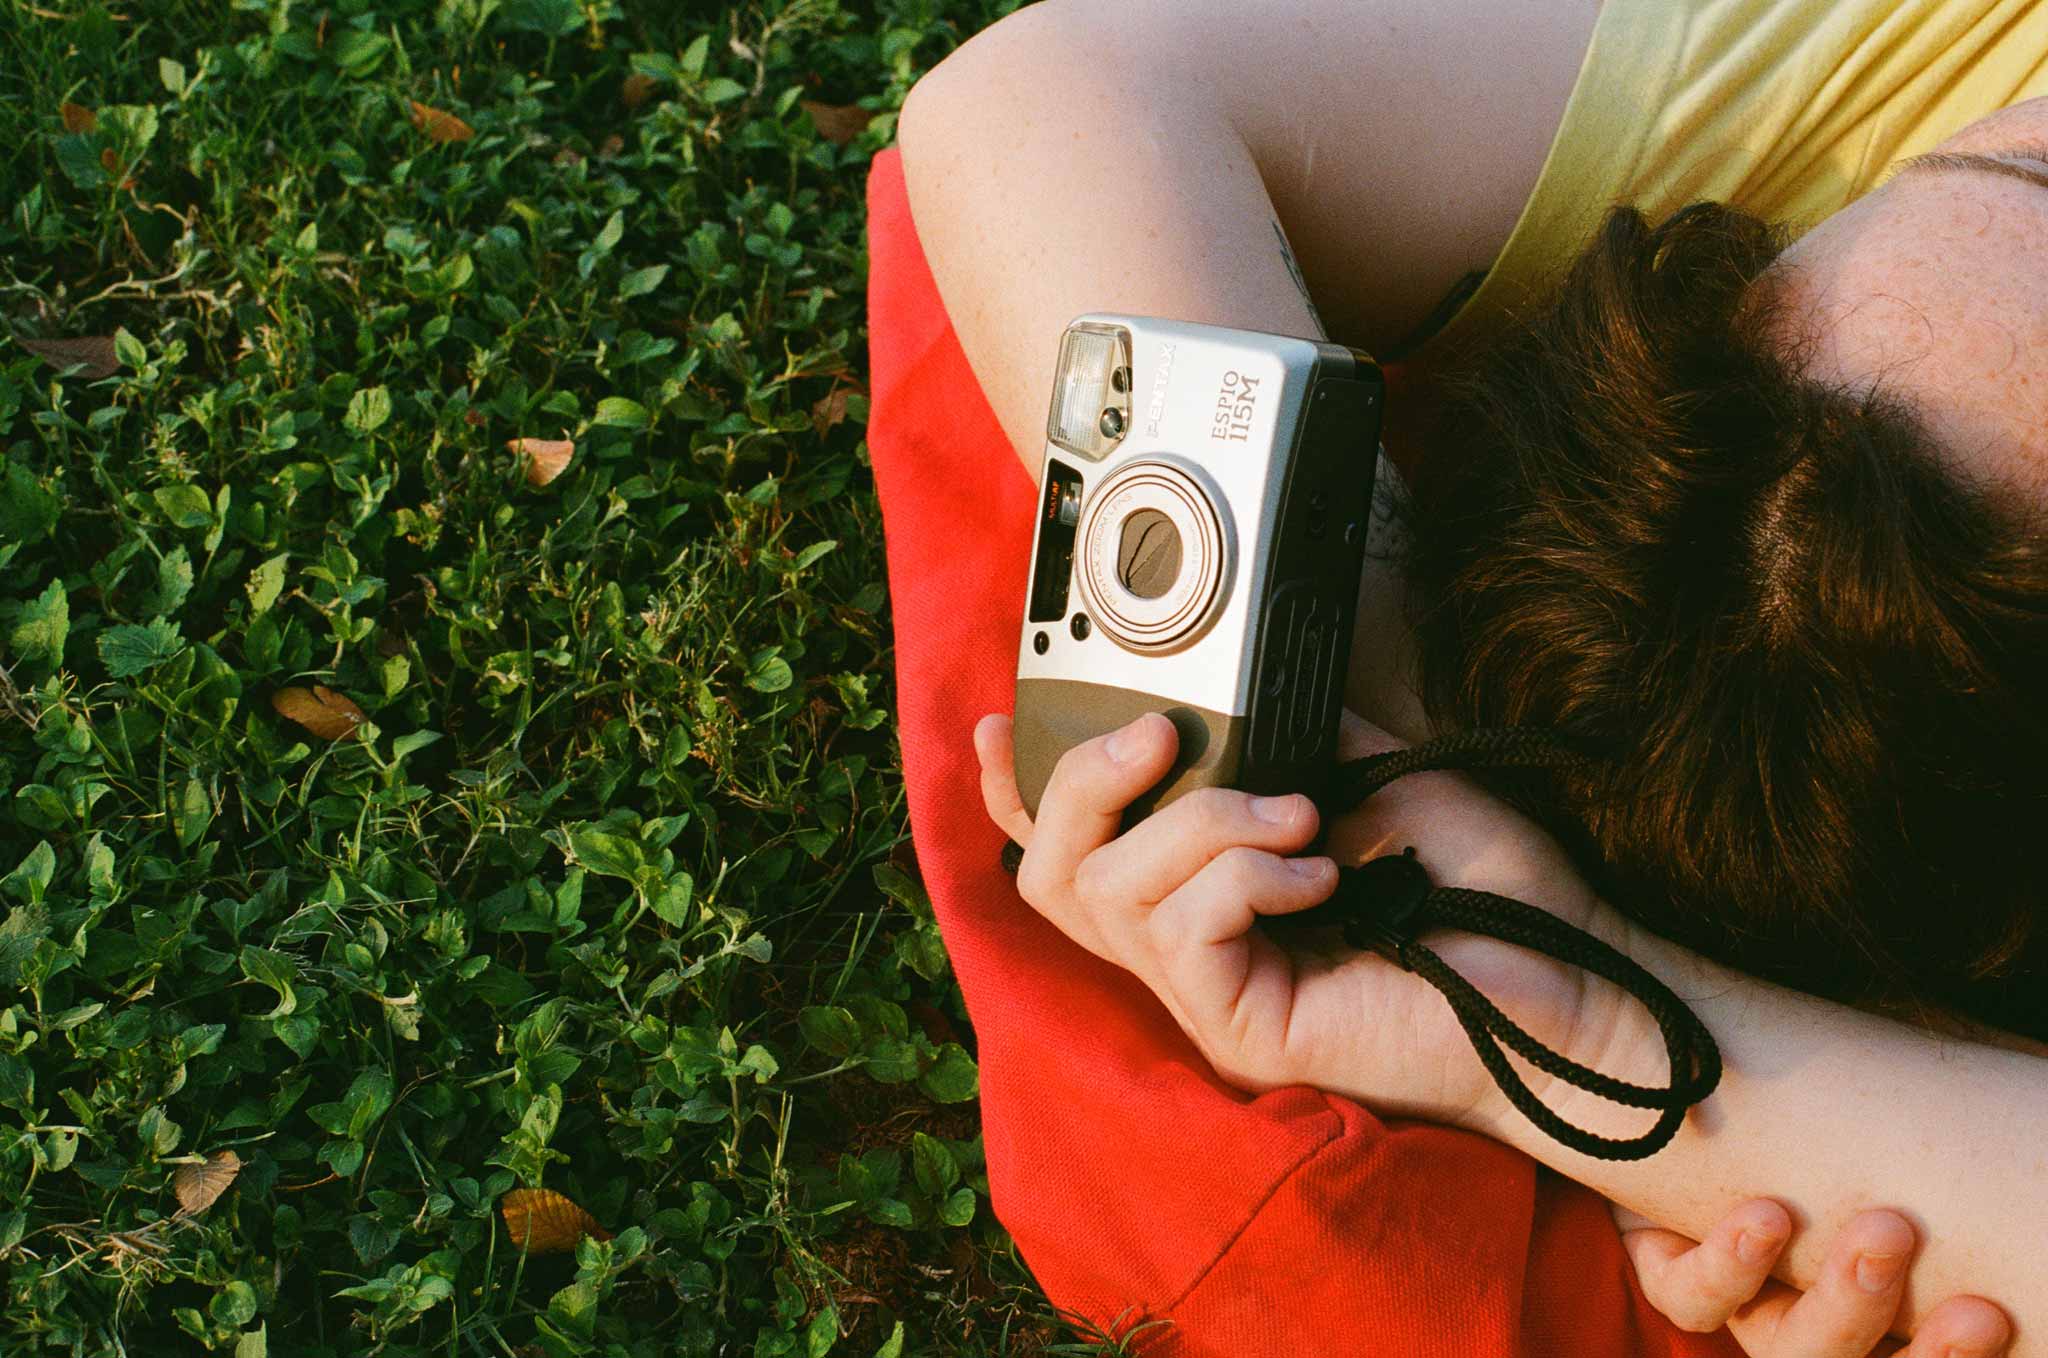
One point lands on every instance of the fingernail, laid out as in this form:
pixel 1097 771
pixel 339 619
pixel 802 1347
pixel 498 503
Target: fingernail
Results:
pixel 1124 744
pixel 1307 867
pixel 1753 1247
pixel 1877 1272
pixel 1273 810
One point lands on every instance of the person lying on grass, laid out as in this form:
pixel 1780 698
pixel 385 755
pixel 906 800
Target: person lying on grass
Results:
pixel 1759 521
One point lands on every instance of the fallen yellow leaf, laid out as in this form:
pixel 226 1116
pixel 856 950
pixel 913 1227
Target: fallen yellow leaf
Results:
pixel 198 1187
pixel 439 125
pixel 542 1221
pixel 321 710
pixel 545 458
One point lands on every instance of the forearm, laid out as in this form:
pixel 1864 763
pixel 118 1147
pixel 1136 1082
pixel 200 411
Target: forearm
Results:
pixel 1831 1110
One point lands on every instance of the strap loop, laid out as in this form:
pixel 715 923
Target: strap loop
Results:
pixel 1386 905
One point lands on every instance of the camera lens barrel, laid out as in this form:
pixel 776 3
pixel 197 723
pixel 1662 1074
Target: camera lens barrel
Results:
pixel 1155 548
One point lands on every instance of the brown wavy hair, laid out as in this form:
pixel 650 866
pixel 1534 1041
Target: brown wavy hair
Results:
pixel 1815 664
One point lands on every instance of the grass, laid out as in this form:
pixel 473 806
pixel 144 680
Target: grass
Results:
pixel 394 827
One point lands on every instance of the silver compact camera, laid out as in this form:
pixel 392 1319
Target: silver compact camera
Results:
pixel 1201 526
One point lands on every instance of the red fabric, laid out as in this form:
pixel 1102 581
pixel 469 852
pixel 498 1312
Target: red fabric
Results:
pixel 1137 1185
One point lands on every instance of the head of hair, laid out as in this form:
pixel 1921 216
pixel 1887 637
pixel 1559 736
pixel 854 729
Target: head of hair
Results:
pixel 1813 662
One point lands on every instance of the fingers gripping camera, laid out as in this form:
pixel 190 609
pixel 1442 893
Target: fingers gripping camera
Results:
pixel 1201 531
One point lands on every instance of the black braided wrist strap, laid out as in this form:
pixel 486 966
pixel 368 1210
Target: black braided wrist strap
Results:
pixel 1384 905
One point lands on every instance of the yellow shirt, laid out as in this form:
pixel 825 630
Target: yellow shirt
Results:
pixel 1788 109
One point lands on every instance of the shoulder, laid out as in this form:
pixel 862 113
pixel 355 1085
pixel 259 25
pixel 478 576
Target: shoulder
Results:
pixel 1396 142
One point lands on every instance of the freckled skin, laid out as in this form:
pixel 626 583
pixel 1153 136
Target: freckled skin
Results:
pixel 1935 286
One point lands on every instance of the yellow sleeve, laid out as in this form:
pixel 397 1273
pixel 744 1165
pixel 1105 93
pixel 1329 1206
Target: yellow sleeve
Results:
pixel 1788 109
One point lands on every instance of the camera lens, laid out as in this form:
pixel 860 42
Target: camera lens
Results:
pixel 1148 554
pixel 1153 555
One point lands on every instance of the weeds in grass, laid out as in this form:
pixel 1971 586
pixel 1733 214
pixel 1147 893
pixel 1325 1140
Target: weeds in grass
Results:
pixel 445 693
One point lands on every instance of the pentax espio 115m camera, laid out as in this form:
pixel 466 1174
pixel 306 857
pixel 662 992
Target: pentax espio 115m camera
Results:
pixel 1202 517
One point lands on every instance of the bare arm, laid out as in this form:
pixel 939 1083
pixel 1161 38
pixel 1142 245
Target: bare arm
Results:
pixel 1159 157
pixel 1825 1109
pixel 1831 1111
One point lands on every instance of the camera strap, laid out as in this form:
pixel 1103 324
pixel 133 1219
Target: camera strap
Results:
pixel 1385 905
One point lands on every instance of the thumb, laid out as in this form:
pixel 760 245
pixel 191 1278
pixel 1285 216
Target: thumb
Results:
pixel 1005 805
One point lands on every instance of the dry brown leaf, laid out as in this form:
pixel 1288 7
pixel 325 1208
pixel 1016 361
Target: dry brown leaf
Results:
pixel 77 117
pixel 439 125
pixel 609 148
pixel 545 458
pixel 636 89
pixel 321 710
pixel 199 1186
pixel 837 123
pixel 96 352
pixel 542 1221
pixel 829 409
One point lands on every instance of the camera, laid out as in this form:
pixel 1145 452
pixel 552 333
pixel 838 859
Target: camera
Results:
pixel 1201 525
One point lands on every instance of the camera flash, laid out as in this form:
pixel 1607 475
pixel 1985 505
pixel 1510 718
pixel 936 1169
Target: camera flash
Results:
pixel 1091 407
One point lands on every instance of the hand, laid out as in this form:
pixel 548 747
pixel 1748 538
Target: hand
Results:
pixel 1173 900
pixel 1726 1280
